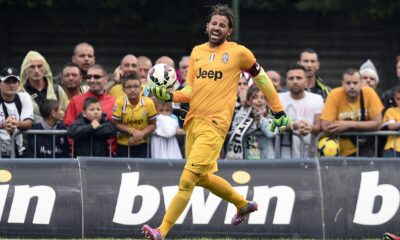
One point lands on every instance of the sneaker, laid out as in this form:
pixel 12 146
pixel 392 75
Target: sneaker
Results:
pixel 242 214
pixel 389 236
pixel 151 233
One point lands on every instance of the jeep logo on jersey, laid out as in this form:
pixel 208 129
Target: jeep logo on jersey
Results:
pixel 209 74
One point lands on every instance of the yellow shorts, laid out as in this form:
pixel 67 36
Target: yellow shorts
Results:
pixel 203 147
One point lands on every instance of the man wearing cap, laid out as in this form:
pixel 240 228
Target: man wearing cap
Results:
pixel 16 111
pixel 369 75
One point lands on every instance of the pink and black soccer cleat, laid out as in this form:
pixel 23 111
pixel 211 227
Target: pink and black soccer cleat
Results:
pixel 242 214
pixel 151 233
pixel 389 236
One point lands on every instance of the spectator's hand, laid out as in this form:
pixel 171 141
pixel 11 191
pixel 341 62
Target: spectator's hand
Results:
pixel 280 120
pixel 11 124
pixel 180 131
pixel 304 128
pixel 338 126
pixel 137 136
pixel 161 93
pixel 95 124
pixel 118 73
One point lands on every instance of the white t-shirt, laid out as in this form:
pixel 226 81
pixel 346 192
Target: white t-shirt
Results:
pixel 26 113
pixel 301 109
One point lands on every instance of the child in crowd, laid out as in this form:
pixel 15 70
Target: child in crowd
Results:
pixel 49 146
pixel 135 117
pixel 392 120
pixel 164 143
pixel 91 130
pixel 249 118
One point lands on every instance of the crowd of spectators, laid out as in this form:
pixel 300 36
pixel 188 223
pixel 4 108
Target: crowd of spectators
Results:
pixel 113 115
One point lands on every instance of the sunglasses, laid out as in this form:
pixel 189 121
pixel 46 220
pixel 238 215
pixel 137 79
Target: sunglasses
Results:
pixel 96 77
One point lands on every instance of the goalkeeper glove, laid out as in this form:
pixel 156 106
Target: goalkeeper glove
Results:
pixel 280 120
pixel 161 93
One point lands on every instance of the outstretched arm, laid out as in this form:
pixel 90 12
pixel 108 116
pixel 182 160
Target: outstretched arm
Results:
pixel 281 120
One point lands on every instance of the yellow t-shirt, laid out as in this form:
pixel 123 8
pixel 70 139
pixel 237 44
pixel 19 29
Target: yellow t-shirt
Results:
pixel 392 113
pixel 137 116
pixel 213 76
pixel 338 108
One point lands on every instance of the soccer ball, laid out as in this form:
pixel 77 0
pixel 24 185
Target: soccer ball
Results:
pixel 161 75
pixel 328 147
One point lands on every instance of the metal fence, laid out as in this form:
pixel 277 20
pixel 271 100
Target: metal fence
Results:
pixel 306 150
pixel 373 141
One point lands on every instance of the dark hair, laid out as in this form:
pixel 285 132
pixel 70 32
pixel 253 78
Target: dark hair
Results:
pixel 88 101
pixel 295 67
pixel 308 50
pixel 47 106
pixel 251 92
pixel 131 76
pixel 223 10
pixel 71 65
pixel 350 71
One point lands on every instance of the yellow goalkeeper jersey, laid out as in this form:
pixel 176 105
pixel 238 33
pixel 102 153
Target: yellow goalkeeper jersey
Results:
pixel 213 77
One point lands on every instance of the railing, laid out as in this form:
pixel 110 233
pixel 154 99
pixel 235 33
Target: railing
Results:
pixel 277 142
pixel 372 134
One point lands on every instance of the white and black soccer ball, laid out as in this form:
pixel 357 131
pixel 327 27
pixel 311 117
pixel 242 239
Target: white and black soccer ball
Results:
pixel 161 75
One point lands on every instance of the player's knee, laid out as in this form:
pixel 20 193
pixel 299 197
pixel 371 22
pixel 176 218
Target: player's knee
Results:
pixel 188 181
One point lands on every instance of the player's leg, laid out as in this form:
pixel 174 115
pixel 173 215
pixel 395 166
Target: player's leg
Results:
pixel 224 190
pixel 186 185
pixel 188 181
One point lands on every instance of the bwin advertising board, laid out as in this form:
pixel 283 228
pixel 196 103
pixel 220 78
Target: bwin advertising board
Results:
pixel 101 197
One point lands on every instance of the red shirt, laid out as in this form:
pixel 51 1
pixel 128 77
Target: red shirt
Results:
pixel 75 106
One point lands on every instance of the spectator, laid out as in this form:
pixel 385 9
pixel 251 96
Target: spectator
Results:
pixel 135 117
pixel 144 66
pixel 16 111
pixel 351 108
pixel 304 108
pixel 49 146
pixel 275 79
pixel 91 130
pixel 128 65
pixel 166 60
pixel 37 80
pixel 369 75
pixel 309 60
pixel 84 57
pixel 392 120
pixel 96 78
pixel 243 86
pixel 251 117
pixel 72 80
pixel 387 96
pixel 183 70
pixel 164 143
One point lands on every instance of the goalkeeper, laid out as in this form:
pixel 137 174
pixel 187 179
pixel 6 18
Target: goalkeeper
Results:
pixel 211 90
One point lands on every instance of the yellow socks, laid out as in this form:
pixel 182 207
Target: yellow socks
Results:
pixel 186 185
pixel 222 189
